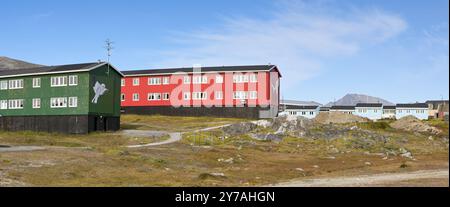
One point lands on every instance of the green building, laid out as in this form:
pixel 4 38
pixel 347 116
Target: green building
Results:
pixel 76 99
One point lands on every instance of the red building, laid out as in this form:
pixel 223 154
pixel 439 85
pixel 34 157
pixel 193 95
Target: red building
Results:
pixel 228 91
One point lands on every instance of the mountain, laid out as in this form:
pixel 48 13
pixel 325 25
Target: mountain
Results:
pixel 353 99
pixel 12 64
pixel 301 103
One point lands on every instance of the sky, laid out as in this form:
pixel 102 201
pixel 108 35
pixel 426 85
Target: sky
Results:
pixel 397 50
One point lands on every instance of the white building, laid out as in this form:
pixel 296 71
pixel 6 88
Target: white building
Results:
pixel 343 109
pixel 388 112
pixel 418 110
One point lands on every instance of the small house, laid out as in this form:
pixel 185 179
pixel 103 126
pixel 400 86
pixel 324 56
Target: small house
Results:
pixel 418 110
pixel 372 111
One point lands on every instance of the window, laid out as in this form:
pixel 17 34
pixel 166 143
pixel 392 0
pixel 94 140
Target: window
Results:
pixel 240 95
pixel 375 111
pixel 187 80
pixel 3 104
pixel 154 96
pixel 166 80
pixel 58 102
pixel 36 82
pixel 122 82
pixel 16 104
pixel 199 96
pixel 253 95
pixel 73 80
pixel 36 103
pixel 187 96
pixel 240 78
pixel 311 113
pixel 122 97
pixel 303 112
pixel 135 97
pixel 4 85
pixel 219 95
pixel 135 81
pixel 166 96
pixel 154 81
pixel 58 81
pixel 219 79
pixel 198 79
pixel 16 84
pixel 253 78
pixel 73 102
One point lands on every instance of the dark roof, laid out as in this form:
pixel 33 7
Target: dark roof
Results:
pixel 388 107
pixel 300 107
pixel 324 108
pixel 51 69
pixel 342 108
pixel 414 105
pixel 203 69
pixel 369 105
pixel 437 101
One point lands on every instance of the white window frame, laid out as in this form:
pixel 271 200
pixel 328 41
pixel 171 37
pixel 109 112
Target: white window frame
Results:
pixel 199 79
pixel 36 103
pixel 58 81
pixel 36 82
pixel 187 79
pixel 122 82
pixel 187 96
pixel 218 95
pixel 240 95
pixel 253 95
pixel 154 81
pixel 165 96
pixel 135 96
pixel 4 85
pixel 58 102
pixel 199 96
pixel 122 97
pixel 166 80
pixel 73 102
pixel 16 104
pixel 73 80
pixel 15 84
pixel 253 78
pixel 153 96
pixel 219 79
pixel 3 104
pixel 240 78
pixel 136 81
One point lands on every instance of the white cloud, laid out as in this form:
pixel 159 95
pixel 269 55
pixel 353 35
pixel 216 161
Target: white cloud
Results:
pixel 297 37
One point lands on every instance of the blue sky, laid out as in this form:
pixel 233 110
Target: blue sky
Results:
pixel 397 50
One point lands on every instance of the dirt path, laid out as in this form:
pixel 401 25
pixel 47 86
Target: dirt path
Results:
pixel 367 180
pixel 174 137
pixel 20 148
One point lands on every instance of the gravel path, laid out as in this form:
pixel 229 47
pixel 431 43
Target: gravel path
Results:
pixel 20 148
pixel 367 180
pixel 174 137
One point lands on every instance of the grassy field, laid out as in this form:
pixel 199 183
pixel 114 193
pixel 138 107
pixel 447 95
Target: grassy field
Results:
pixel 200 157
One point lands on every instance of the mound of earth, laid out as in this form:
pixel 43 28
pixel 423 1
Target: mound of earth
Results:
pixel 339 118
pixel 411 123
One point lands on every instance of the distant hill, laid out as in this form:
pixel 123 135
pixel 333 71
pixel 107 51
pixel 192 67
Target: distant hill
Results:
pixel 13 64
pixel 302 103
pixel 353 99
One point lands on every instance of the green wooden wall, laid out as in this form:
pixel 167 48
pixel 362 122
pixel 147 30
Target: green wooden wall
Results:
pixel 108 104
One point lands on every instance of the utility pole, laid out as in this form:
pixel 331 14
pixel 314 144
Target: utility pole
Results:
pixel 109 47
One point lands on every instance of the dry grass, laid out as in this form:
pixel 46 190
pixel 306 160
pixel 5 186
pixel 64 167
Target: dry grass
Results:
pixel 244 161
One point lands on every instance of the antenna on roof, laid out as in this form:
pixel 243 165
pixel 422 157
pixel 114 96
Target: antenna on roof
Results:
pixel 109 47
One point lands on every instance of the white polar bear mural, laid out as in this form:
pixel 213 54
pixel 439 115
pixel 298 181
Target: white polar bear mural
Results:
pixel 99 90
